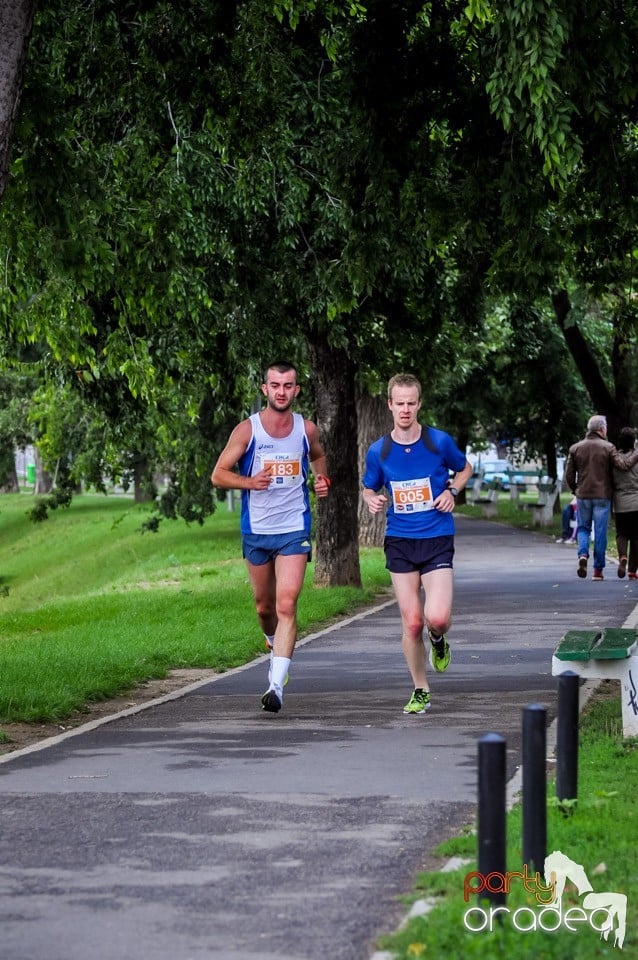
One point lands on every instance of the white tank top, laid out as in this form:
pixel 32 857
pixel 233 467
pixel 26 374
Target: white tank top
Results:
pixel 284 507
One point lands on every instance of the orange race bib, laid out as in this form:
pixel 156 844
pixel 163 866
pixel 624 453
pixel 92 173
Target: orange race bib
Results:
pixel 285 468
pixel 410 496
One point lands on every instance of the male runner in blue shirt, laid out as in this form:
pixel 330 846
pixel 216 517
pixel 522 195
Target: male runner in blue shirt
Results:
pixel 413 464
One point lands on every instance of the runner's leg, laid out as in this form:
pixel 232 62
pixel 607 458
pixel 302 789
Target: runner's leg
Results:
pixel 407 590
pixel 262 581
pixel 439 592
pixel 290 571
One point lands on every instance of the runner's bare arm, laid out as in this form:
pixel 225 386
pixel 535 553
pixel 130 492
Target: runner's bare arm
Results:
pixel 225 476
pixel 376 501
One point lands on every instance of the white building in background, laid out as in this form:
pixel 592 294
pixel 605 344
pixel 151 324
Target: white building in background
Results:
pixel 25 466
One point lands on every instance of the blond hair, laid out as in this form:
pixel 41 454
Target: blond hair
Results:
pixel 403 380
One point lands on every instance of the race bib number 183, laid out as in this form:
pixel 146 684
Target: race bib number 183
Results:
pixel 284 467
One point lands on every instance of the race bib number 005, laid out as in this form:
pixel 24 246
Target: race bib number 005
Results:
pixel 409 496
pixel 284 467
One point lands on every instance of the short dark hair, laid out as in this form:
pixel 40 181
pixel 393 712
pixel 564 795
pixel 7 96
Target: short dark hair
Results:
pixel 626 439
pixel 281 366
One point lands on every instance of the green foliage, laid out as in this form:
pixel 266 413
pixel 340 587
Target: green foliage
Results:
pixel 61 497
pixel 267 174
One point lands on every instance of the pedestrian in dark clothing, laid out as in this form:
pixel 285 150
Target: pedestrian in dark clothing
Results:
pixel 588 473
pixel 625 503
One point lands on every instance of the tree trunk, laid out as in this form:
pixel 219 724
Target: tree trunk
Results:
pixel 16 21
pixel 144 491
pixel 602 398
pixel 337 542
pixel 374 420
pixel 43 480
pixel 8 473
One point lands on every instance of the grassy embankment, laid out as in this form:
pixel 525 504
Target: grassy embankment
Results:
pixel 89 606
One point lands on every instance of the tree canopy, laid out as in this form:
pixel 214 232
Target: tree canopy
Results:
pixel 444 187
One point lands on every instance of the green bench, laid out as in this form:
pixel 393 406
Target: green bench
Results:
pixel 609 654
pixel 542 511
pixel 489 502
pixel 475 491
pixel 523 481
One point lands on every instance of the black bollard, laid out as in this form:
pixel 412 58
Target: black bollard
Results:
pixel 491 814
pixel 567 736
pixel 534 788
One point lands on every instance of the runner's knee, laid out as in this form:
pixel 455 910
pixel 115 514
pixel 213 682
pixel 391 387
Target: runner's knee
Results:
pixel 286 607
pixel 265 607
pixel 413 626
pixel 438 624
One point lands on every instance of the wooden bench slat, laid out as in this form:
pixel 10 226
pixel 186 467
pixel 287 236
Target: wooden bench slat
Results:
pixel 577 644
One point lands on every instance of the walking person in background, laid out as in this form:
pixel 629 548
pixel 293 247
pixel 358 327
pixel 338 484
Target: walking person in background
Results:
pixel 569 518
pixel 625 500
pixel 588 474
pixel 413 465
pixel 274 450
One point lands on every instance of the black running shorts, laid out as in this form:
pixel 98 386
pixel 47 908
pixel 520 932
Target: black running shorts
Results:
pixel 403 555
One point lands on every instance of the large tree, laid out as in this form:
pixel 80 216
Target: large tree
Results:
pixel 16 21
pixel 336 186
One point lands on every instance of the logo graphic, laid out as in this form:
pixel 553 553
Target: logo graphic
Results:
pixel 559 869
pixel 604 912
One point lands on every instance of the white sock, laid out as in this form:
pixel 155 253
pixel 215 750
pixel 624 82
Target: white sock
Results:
pixel 269 639
pixel 278 673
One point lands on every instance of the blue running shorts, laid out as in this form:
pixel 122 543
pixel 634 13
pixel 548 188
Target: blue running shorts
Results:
pixel 260 548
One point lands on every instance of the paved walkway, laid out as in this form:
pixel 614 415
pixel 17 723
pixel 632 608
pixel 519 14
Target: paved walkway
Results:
pixel 201 828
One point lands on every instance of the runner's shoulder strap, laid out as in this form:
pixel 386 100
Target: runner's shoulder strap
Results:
pixel 426 440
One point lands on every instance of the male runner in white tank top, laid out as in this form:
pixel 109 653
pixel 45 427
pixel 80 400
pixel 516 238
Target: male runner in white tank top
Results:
pixel 274 450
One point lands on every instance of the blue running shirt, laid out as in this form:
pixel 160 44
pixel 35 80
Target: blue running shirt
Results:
pixel 413 477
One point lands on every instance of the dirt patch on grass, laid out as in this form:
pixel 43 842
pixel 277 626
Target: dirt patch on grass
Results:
pixel 21 735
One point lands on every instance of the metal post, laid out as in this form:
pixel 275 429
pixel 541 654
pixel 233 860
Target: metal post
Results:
pixel 534 787
pixel 491 814
pixel 567 736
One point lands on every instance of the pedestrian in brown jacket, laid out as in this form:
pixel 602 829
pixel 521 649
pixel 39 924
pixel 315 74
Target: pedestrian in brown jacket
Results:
pixel 588 474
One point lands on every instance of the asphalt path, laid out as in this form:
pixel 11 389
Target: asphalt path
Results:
pixel 202 828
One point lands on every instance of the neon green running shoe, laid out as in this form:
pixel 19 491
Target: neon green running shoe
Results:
pixel 419 702
pixel 440 654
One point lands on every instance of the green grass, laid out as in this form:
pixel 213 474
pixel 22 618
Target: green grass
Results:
pixel 89 606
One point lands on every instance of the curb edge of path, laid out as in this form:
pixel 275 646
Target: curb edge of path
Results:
pixel 182 691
